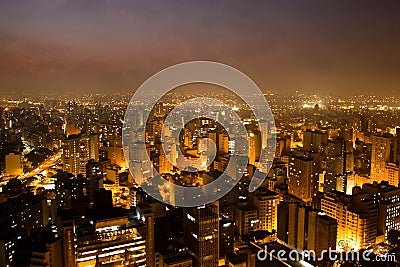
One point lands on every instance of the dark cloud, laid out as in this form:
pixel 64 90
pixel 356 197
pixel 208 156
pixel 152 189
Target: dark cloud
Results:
pixel 326 47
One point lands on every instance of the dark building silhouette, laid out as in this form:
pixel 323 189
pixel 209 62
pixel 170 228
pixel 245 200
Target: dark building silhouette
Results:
pixel 201 226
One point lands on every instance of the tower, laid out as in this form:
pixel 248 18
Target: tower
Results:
pixel 201 227
pixel 267 203
pixel 147 214
pixel 303 178
pixel 339 166
pixel 380 156
pixel 75 154
pixel 254 146
pixel 313 140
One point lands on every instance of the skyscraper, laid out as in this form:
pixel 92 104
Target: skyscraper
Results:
pixel 264 127
pixel 380 156
pixel 303 178
pixel 94 147
pixel 254 146
pixel 201 226
pixel 147 214
pixel 267 203
pixel 313 140
pixel 75 154
pixel 339 166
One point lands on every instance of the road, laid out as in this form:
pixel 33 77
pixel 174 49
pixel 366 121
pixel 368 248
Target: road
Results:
pixel 43 166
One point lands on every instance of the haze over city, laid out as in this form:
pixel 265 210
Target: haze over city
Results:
pixel 328 48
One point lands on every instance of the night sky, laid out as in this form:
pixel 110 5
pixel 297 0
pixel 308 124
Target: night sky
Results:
pixel 326 47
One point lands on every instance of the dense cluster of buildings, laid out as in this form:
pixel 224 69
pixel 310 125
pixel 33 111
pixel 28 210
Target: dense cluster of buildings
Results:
pixel 68 199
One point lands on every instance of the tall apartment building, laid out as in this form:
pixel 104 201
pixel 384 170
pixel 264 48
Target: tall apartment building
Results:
pixel 255 144
pixel 28 212
pixel 267 203
pixel 201 227
pixel 356 217
pixel 303 178
pixel 381 155
pixel 75 154
pixel 139 163
pixel 314 140
pixel 223 143
pixel 147 213
pixel 68 188
pixel 45 250
pixel 392 173
pixel 226 237
pixel 95 173
pixel 339 166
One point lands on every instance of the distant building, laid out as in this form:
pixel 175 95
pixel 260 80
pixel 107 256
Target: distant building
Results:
pixel 265 129
pixel 313 141
pixel 223 143
pixel 71 129
pixel 94 147
pixel 140 165
pixel 254 147
pixel 114 153
pixel 392 173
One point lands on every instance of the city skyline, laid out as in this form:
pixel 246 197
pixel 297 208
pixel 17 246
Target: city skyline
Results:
pixel 71 194
pixel 184 133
